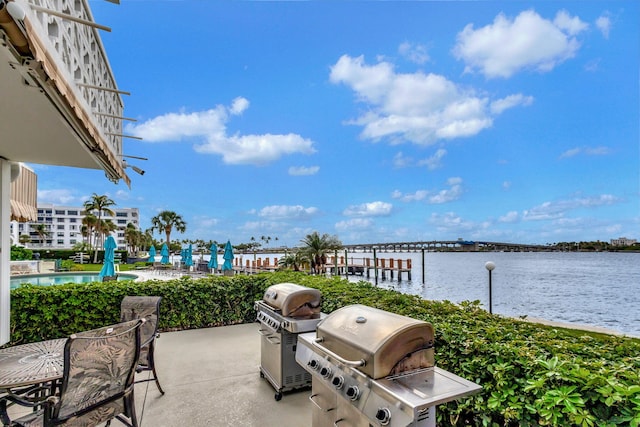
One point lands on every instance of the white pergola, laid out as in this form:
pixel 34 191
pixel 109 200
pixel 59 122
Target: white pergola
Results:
pixel 60 103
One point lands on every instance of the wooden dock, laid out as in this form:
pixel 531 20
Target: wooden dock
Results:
pixel 383 268
pixel 376 267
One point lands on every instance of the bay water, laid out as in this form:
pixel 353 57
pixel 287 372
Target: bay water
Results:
pixel 600 289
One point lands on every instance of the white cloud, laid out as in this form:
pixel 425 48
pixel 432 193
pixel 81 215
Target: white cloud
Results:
pixel 208 129
pixel 450 222
pixel 354 224
pixel 435 161
pixel 410 197
pixel 239 105
pixel 123 195
pixel 57 197
pixel 557 209
pixel 303 170
pixel 571 25
pixel 401 161
pixel 603 23
pixel 420 108
pixel 510 217
pixel 588 151
pixel 449 194
pixel 432 162
pixel 510 101
pixel 414 52
pixel 526 42
pixel 287 212
pixel 443 196
pixel 369 209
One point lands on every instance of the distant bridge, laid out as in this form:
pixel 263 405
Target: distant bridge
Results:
pixel 447 245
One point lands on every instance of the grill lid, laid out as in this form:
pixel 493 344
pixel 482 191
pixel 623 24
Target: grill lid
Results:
pixel 388 343
pixel 293 300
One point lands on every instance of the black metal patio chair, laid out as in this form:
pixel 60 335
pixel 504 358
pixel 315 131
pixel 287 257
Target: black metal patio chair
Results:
pixel 97 381
pixel 147 307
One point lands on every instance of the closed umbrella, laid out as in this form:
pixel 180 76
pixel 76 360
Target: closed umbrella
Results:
pixel 109 269
pixel 213 261
pixel 152 253
pixel 164 251
pixel 188 261
pixel 228 257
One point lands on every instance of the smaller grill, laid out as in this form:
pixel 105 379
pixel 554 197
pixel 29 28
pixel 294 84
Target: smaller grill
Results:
pixel 286 310
pixel 370 367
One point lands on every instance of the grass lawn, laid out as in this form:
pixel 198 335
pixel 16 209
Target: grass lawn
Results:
pixel 98 267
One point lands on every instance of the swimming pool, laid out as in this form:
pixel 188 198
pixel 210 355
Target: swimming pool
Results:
pixel 60 278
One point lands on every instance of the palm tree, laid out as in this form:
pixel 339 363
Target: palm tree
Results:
pixel 166 221
pixel 90 223
pixel 295 260
pixel 316 247
pixel 24 239
pixel 133 237
pixel 100 204
pixel 43 232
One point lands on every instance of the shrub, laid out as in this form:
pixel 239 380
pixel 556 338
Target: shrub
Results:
pixel 531 374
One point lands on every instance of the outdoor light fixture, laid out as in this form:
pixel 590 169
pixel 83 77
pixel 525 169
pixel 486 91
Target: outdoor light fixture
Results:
pixel 135 168
pixel 16 11
pixel 490 266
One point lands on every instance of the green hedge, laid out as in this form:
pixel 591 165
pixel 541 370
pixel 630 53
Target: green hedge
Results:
pixel 531 374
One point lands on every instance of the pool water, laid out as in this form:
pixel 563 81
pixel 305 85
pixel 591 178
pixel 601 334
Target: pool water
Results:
pixel 58 279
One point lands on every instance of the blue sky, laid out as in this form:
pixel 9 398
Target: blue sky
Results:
pixel 376 121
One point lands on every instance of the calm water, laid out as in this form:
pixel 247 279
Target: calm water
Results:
pixel 600 289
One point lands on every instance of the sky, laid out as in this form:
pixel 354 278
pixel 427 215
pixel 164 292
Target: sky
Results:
pixel 505 121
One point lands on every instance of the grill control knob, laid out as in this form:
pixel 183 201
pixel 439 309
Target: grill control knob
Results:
pixel 383 415
pixel 313 364
pixel 353 392
pixel 325 372
pixel 338 382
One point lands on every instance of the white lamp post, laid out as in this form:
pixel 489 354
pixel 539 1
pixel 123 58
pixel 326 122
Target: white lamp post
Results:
pixel 490 266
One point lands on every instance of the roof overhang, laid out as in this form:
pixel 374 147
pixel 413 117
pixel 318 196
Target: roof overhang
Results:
pixel 43 118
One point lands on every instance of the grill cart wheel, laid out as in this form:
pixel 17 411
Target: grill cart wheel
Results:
pixel 278 397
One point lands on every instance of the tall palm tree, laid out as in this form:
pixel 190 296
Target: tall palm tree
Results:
pixel 43 232
pixel 316 247
pixel 166 221
pixel 90 223
pixel 100 204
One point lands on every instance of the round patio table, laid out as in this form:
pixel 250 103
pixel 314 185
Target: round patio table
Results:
pixel 34 363
pixel 25 368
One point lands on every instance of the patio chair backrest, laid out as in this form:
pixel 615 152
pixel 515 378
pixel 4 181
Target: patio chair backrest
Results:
pixel 142 307
pixel 99 369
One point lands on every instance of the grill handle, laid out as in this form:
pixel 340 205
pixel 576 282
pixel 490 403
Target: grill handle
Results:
pixel 340 359
pixel 318 406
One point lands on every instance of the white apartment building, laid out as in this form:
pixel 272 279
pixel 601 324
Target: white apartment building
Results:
pixel 623 241
pixel 64 224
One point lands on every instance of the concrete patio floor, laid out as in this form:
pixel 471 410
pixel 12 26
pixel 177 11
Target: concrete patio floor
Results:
pixel 211 377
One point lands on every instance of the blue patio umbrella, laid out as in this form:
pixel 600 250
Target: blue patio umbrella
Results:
pixel 213 261
pixel 188 256
pixel 164 251
pixel 109 269
pixel 152 253
pixel 228 257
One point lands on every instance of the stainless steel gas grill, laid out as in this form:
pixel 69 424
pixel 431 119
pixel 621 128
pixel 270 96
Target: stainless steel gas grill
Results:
pixel 285 311
pixel 370 367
